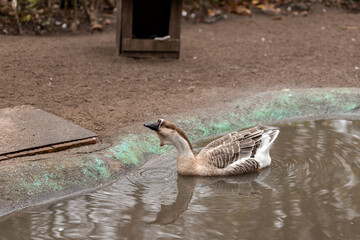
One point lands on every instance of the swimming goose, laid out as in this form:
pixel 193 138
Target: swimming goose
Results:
pixel 235 153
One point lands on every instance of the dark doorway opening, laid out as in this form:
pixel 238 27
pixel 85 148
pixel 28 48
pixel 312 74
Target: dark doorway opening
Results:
pixel 151 18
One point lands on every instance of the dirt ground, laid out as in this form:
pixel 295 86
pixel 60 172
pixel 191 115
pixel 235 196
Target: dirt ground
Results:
pixel 80 77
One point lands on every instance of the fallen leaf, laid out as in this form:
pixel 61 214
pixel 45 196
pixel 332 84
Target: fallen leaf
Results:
pixel 210 13
pixel 263 7
pixel 217 12
pixel 350 27
pixel 277 18
pixel 269 8
pixel 26 18
pixel 242 11
pixel 97 26
pixel 214 12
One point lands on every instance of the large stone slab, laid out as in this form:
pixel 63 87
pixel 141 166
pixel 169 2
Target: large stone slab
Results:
pixel 25 127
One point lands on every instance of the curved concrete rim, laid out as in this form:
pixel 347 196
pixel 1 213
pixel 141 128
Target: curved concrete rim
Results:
pixel 30 183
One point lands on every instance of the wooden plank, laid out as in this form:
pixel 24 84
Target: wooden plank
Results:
pixel 149 45
pixel 127 19
pixel 174 55
pixel 118 26
pixel 175 19
pixel 49 149
pixel 3 157
pixel 31 152
pixel 67 145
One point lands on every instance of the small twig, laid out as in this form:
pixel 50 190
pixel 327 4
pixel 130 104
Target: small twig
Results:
pixel 92 13
pixel 85 4
pixel 65 10
pixel 15 6
pixel 49 6
pixel 75 17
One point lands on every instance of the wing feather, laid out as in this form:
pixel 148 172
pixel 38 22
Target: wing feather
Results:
pixel 226 138
pixel 226 150
pixel 248 166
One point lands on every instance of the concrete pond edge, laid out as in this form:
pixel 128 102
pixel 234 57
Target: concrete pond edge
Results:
pixel 33 181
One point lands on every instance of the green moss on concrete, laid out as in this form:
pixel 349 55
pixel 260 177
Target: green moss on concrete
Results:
pixel 205 131
pixel 350 106
pixel 222 126
pixel 132 147
pixel 46 177
pixel 39 183
pixel 96 169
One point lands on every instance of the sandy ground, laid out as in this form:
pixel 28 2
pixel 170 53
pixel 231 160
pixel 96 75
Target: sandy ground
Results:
pixel 80 77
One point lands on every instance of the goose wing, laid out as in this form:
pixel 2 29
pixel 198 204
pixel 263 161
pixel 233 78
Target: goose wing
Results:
pixel 232 147
pixel 232 137
pixel 224 139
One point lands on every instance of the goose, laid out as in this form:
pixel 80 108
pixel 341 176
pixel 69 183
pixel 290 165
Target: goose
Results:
pixel 235 153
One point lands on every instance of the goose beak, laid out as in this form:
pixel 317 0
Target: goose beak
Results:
pixel 152 126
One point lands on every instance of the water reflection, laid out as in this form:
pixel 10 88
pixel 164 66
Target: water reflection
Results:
pixel 311 191
pixel 186 185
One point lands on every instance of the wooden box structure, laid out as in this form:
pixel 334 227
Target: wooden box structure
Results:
pixel 149 28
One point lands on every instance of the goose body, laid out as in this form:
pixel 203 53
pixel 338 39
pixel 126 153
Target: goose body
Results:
pixel 235 153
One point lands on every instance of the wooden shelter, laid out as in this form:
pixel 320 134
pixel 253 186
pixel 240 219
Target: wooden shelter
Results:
pixel 149 28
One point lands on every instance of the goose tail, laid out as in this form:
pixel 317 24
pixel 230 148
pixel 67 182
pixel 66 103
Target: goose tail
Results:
pixel 263 152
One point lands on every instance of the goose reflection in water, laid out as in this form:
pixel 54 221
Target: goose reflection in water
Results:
pixel 242 185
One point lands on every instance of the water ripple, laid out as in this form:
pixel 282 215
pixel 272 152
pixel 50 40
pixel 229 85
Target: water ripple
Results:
pixel 152 176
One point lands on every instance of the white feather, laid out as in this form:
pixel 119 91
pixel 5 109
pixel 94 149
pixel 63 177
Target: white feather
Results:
pixel 262 155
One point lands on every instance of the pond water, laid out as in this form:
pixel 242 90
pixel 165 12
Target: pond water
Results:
pixel 311 191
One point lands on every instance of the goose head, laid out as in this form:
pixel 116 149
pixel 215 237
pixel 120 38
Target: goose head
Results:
pixel 169 133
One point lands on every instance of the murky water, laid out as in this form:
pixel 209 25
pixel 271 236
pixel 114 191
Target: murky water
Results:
pixel 311 191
